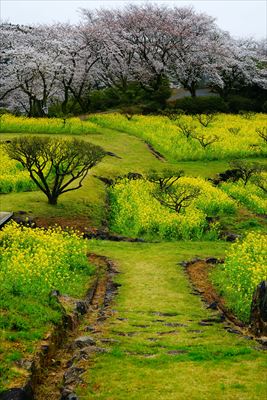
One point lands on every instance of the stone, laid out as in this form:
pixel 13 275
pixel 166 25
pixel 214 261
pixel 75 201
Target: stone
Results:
pixel 89 328
pixel 84 341
pixel 235 331
pixel 175 324
pixel 230 237
pixel 109 153
pixel 68 394
pixel 109 340
pixel 175 352
pixel 213 260
pixel 81 307
pixel 16 394
pixel 72 375
pixel 204 323
pixel 72 396
pixel 258 314
pixel 24 363
pixel 213 306
pixel 263 342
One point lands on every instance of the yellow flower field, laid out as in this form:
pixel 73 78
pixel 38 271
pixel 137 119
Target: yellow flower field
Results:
pixel 244 268
pixel 13 178
pixel 12 124
pixel 135 211
pixel 165 135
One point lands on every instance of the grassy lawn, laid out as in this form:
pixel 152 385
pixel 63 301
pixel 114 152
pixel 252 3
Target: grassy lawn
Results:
pixel 162 351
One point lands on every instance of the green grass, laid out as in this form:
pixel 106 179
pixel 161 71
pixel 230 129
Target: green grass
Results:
pixel 210 362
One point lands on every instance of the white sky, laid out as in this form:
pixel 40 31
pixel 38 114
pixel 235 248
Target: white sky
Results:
pixel 239 17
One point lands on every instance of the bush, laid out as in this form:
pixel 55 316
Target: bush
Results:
pixel 239 103
pixel 264 107
pixel 201 105
pixel 243 270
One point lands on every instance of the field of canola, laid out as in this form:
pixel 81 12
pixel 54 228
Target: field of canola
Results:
pixel 237 136
pixel 29 269
pixel 244 268
pixel 74 126
pixel 13 177
pixel 134 211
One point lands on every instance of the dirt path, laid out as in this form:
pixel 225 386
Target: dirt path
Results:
pixel 161 341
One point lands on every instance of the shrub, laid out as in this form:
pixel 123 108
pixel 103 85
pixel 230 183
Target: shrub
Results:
pixel 244 268
pixel 13 177
pixel 36 261
pixel 201 105
pixel 239 103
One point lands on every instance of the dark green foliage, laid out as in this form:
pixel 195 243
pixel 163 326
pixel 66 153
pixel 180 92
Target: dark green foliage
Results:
pixel 237 103
pixel 245 170
pixel 201 105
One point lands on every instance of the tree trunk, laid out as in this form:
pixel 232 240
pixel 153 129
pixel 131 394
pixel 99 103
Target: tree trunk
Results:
pixel 52 200
pixel 192 90
pixel 65 101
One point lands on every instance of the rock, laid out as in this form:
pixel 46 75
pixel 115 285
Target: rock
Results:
pixel 235 331
pixel 81 307
pixel 84 341
pixel 72 396
pixel 109 153
pixel 175 324
pixel 204 323
pixel 195 260
pixel 263 341
pixel 230 237
pixel 24 363
pixel 68 394
pixel 183 263
pixel 89 328
pixel 88 351
pixel 54 293
pixel 16 394
pixel 106 181
pixel 24 220
pixel 175 352
pixel 72 375
pixel 258 314
pixel 109 340
pixel 213 260
pixel 213 306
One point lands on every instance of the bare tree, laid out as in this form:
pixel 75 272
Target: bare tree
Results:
pixel 177 197
pixel 260 181
pixel 165 178
pixel 234 130
pixel 262 132
pixel 205 119
pixel 205 140
pixel 56 166
pixel 245 170
pixel 187 129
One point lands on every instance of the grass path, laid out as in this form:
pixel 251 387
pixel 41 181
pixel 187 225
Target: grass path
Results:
pixel 158 348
